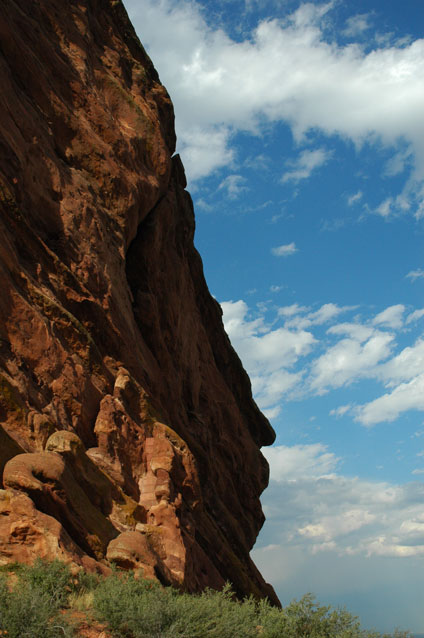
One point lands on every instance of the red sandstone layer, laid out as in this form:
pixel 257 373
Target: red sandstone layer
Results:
pixel 128 432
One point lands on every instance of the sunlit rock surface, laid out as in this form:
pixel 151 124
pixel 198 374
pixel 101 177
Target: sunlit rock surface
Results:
pixel 128 432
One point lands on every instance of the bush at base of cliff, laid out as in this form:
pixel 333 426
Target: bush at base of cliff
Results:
pixel 307 618
pixel 141 609
pixel 35 602
pixel 30 604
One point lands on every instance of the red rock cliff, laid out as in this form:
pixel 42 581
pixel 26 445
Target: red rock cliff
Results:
pixel 128 432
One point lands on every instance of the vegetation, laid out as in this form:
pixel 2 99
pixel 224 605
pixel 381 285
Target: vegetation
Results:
pixel 31 600
pixel 39 602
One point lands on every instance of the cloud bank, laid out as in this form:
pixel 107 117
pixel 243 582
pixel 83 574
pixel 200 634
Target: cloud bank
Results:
pixel 289 70
pixel 302 353
pixel 322 526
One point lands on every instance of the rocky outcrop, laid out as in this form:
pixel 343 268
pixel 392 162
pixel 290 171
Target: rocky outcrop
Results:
pixel 128 432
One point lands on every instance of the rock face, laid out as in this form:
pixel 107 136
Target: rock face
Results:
pixel 128 432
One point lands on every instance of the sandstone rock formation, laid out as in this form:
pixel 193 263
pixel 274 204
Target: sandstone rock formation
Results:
pixel 128 432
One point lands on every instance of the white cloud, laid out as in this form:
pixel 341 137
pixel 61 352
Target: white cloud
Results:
pixel 415 274
pixel 383 547
pixel 268 354
pixel 305 164
pixel 354 198
pixel 331 527
pixel 234 185
pixel 398 163
pixel 405 366
pixel 294 309
pixel 299 461
pixel 277 347
pixel 385 208
pixel 341 410
pixel 270 386
pixel 272 413
pixel 285 70
pixel 308 505
pixel 400 204
pixel 321 524
pixel 356 331
pixel 259 162
pixel 391 317
pixel 404 397
pixel 205 149
pixel 296 359
pixel 356 25
pixel 348 361
pixel 284 251
pixel 415 316
pixel 323 315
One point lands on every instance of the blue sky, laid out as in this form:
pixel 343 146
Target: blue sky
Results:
pixel 301 129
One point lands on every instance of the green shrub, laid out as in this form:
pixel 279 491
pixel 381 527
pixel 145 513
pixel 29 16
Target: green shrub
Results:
pixel 139 609
pixel 215 615
pixel 86 582
pixel 29 612
pixel 306 618
pixel 52 579
pixel 135 608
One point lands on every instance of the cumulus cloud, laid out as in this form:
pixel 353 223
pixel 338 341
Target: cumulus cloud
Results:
pixel 307 162
pixel 270 386
pixel 391 317
pixel 312 507
pixel 405 366
pixel 313 510
pixel 404 397
pixel 367 352
pixel 297 461
pixel 285 250
pixel 349 360
pixel 205 149
pixel 273 412
pixel 268 353
pixel 261 347
pixel 298 354
pixel 357 331
pixel 285 70
pixel 324 314
pixel 294 309
pixel 403 375
pixel 415 316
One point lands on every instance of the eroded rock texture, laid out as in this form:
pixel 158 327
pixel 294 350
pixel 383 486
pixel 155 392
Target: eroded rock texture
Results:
pixel 127 428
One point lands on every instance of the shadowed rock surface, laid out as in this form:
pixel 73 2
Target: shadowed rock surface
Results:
pixel 128 432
